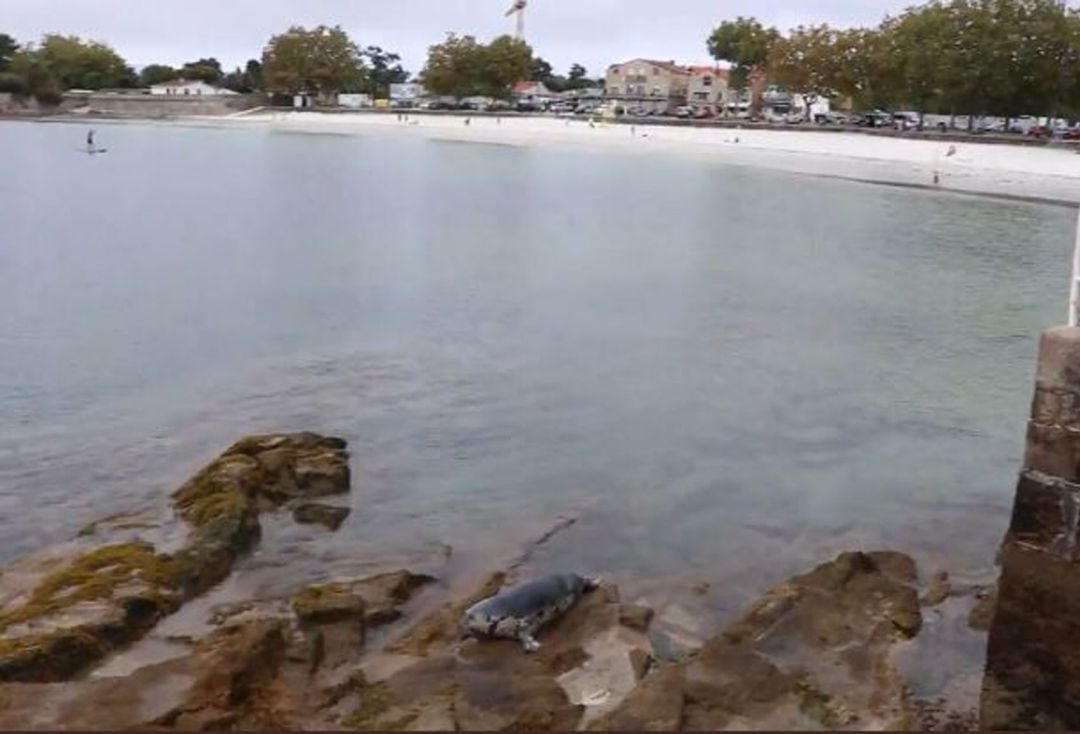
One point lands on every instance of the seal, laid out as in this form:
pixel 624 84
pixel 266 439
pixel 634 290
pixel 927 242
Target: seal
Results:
pixel 518 612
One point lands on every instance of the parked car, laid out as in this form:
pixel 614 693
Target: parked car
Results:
pixel 683 113
pixel 560 108
pixel 703 113
pixel 877 118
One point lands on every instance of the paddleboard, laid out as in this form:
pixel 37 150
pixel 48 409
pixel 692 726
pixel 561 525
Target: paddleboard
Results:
pixel 94 151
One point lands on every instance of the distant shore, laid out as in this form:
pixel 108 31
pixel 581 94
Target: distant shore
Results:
pixel 1049 174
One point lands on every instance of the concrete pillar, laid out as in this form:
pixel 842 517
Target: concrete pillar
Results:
pixel 1033 658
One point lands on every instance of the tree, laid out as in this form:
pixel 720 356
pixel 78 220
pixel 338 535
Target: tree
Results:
pixel 463 67
pixel 205 70
pixel 322 60
pixel 505 61
pixel 578 78
pixel 807 63
pixel 383 69
pixel 157 74
pixel 541 71
pixel 745 44
pixel 863 72
pixel 8 49
pixel 246 80
pixel 34 78
pixel 78 64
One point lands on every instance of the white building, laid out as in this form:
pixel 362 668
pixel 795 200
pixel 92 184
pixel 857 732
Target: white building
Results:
pixel 185 88
pixel 354 101
pixel 407 92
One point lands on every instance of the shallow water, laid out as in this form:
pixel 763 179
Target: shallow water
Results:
pixel 725 374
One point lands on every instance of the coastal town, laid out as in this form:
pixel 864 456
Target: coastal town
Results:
pixel 932 68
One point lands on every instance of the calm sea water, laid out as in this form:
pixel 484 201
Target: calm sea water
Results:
pixel 725 374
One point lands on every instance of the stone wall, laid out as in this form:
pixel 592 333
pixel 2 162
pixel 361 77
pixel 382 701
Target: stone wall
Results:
pixel 1033 660
pixel 142 105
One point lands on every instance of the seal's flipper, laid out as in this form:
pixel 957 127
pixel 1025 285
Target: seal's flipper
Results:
pixel 529 642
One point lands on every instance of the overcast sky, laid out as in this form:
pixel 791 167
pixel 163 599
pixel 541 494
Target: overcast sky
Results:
pixel 593 32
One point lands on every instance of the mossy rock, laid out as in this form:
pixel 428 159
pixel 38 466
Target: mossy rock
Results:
pixel 328 603
pixel 96 576
pixel 111 595
pixel 255 445
pixel 49 657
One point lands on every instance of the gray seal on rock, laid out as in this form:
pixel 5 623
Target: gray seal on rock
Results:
pixel 518 612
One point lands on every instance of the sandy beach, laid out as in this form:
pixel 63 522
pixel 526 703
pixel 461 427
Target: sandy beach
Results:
pixel 1050 174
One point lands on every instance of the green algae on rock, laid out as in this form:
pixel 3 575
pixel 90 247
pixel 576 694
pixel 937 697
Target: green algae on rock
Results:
pixel 108 595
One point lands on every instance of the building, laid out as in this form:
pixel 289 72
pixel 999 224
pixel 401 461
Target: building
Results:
pixel 354 101
pixel 647 85
pixel 406 94
pixel 707 88
pixel 533 95
pixel 186 88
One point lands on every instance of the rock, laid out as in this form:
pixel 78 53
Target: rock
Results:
pixel 329 603
pixel 319 475
pixel 813 653
pixel 655 705
pixel 940 590
pixel 101 599
pixel 666 648
pixel 60 613
pixel 440 629
pixel 330 517
pixel 235 686
pixel 385 594
pixel 492 684
pixel 982 613
pixel 640 661
pixel 635 617
pixel 375 600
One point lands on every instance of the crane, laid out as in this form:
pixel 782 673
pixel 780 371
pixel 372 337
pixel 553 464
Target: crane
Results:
pixel 519 8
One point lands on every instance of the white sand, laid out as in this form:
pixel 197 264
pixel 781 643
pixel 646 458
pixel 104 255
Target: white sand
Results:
pixel 1009 170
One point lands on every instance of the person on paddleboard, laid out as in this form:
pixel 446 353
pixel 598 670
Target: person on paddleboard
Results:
pixel 90 141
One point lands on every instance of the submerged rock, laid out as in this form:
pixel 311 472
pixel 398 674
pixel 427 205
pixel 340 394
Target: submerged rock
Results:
pixel 326 515
pixel 60 613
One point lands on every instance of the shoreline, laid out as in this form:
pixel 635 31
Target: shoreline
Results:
pixel 1011 172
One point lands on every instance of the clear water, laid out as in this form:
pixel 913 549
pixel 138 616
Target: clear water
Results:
pixel 725 374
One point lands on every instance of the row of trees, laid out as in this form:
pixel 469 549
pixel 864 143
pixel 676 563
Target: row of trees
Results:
pixel 323 60
pixel 60 62
pixel 972 57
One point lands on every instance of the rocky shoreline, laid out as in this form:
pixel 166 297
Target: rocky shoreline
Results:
pixel 85 640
